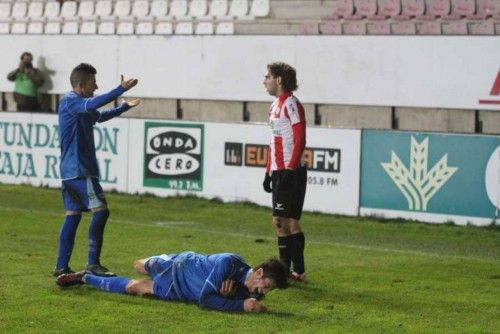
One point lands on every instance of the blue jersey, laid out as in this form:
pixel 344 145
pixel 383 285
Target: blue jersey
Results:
pixel 198 278
pixel 77 116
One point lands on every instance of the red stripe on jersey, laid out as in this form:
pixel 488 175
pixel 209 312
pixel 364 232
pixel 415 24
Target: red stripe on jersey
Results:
pixel 278 153
pixel 299 136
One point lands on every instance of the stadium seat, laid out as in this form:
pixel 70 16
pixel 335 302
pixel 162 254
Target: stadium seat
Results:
pixel 144 28
pixel 125 28
pixel 363 9
pixel 106 28
pixel 403 28
pixel 462 8
pixel 204 28
pixel 224 28
pixel 19 10
pixel 387 9
pixel 35 28
pixel 103 8
pixel 140 8
pixel 484 27
pixel 53 28
pixel 70 28
pixel 354 28
pixel 184 28
pixel 309 29
pixel 411 9
pixel 119 19
pixel 239 8
pixel 122 9
pixel 52 18
pixel 35 11
pixel 4 28
pixel 455 28
pixel 156 21
pixel 378 28
pixel 343 9
pixel 331 28
pixel 429 28
pixel 5 19
pixel 88 28
pixel 69 10
pixel 52 10
pixel 198 8
pixel 260 8
pixel 5 9
pixel 435 9
pixel 159 9
pixel 18 28
pixel 218 8
pixel 86 10
pixel 486 9
pixel 164 28
pixel 179 9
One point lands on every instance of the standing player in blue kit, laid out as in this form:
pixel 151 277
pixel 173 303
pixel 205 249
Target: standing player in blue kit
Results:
pixel 81 190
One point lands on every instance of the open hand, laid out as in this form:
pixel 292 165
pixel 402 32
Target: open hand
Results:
pixel 131 103
pixel 252 305
pixel 129 83
pixel 228 288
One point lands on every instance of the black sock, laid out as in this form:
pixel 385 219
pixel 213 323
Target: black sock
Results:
pixel 297 243
pixel 285 251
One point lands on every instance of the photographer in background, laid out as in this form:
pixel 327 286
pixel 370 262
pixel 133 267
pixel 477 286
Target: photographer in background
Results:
pixel 27 81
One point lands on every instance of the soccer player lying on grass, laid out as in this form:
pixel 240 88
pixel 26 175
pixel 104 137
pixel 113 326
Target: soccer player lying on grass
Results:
pixel 218 281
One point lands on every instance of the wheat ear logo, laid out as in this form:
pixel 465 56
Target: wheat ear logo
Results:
pixel 417 185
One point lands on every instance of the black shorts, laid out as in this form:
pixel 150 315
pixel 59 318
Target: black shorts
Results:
pixel 289 201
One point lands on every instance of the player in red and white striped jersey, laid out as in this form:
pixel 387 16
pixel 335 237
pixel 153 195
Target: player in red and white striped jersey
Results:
pixel 286 174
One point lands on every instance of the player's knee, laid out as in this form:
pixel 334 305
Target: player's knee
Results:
pixel 280 225
pixel 133 287
pixel 139 266
pixel 294 226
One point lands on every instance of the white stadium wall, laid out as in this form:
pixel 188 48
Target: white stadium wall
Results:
pixel 422 71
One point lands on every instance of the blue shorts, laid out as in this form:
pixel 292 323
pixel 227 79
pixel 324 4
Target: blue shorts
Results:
pixel 82 194
pixel 159 269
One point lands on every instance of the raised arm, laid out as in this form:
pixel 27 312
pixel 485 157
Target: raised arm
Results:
pixel 12 75
pixel 101 100
pixel 106 115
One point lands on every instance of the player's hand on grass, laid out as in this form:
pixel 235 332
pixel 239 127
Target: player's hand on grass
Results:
pixel 267 184
pixel 228 288
pixel 131 103
pixel 252 305
pixel 129 83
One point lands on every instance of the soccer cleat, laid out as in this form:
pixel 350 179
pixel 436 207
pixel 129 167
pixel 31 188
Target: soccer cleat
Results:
pixel 98 270
pixel 60 271
pixel 294 276
pixel 70 279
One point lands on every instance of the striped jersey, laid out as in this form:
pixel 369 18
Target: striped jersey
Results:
pixel 288 124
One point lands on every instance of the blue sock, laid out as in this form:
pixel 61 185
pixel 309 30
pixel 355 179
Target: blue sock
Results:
pixel 96 231
pixel 67 240
pixel 115 284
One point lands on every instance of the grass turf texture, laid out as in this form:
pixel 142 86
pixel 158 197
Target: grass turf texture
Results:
pixel 366 275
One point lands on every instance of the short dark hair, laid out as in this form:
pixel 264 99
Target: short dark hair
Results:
pixel 287 74
pixel 81 74
pixel 26 53
pixel 275 270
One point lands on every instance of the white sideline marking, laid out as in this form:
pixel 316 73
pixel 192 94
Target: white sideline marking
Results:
pixel 187 225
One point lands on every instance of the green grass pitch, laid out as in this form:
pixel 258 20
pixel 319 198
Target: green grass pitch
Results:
pixel 366 275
